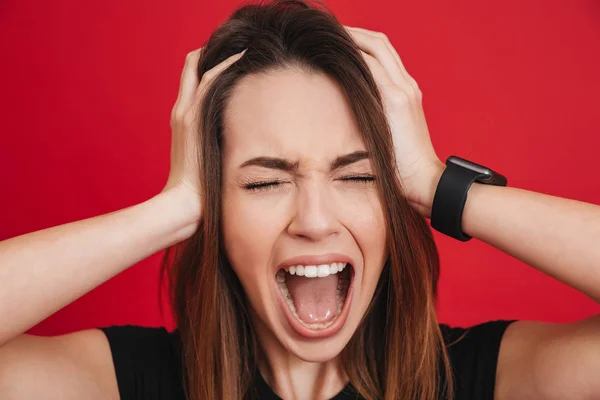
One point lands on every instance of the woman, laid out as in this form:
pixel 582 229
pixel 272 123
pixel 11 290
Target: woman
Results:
pixel 302 263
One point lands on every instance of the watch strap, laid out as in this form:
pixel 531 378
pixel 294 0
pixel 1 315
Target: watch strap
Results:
pixel 450 199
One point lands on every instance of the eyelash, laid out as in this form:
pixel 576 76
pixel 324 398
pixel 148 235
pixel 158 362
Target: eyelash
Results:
pixel 267 185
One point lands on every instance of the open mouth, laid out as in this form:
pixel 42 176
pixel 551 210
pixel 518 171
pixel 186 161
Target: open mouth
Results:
pixel 316 294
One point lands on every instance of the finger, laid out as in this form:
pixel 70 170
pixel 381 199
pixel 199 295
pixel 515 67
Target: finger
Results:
pixel 223 65
pixel 387 42
pixel 378 45
pixel 210 75
pixel 388 89
pixel 189 80
pixel 379 73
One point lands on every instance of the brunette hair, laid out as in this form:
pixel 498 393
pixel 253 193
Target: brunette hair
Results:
pixel 397 351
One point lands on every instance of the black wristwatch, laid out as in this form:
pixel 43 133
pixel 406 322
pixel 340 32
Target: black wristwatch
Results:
pixel 451 194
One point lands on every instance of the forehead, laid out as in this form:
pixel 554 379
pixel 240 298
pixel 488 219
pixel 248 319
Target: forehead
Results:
pixel 288 113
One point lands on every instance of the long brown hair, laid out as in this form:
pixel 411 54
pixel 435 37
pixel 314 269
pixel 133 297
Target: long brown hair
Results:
pixel 398 350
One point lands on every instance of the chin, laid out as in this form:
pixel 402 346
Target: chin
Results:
pixel 318 352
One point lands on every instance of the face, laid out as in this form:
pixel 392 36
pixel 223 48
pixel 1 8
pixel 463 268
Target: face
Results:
pixel 302 223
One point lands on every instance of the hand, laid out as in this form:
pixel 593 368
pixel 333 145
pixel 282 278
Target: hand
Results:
pixel 185 171
pixel 418 165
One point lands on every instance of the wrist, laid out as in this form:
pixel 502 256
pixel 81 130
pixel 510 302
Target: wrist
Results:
pixel 182 209
pixel 425 201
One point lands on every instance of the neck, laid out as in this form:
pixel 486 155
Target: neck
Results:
pixel 293 378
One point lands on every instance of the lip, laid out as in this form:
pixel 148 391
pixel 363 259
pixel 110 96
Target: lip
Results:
pixel 341 319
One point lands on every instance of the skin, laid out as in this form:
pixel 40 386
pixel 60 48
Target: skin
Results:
pixel 536 359
pixel 310 211
pixel 44 271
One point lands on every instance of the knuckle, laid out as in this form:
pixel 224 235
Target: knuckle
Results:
pixel 208 75
pixel 367 56
pixel 412 95
pixel 397 98
pixel 173 123
pixel 418 93
pixel 384 39
pixel 176 115
pixel 189 57
pixel 189 117
pixel 415 91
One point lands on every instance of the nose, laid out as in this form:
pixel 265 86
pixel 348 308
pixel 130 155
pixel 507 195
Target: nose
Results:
pixel 314 217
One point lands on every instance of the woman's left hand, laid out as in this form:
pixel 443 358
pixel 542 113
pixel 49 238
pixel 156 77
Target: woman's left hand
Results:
pixel 418 165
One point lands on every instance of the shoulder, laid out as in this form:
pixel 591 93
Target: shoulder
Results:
pixel 544 360
pixel 71 365
pixel 474 353
pixel 147 361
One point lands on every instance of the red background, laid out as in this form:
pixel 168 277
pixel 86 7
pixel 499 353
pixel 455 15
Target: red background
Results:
pixel 87 91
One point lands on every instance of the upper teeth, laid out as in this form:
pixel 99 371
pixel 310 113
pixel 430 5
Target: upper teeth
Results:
pixel 314 271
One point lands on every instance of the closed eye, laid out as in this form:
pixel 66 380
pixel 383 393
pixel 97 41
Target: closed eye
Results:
pixel 263 185
pixel 270 185
pixel 359 178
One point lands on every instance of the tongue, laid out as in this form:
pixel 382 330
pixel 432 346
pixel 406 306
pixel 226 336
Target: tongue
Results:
pixel 314 298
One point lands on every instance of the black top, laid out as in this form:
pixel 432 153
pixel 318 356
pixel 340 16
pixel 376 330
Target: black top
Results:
pixel 148 365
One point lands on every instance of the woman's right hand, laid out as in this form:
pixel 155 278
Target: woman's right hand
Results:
pixel 184 175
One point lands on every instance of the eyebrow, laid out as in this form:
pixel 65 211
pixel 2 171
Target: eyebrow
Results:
pixel 289 166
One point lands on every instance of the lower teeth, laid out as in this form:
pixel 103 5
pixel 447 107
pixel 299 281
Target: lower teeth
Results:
pixel 340 298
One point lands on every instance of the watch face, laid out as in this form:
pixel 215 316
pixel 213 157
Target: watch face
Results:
pixel 490 177
pixel 470 165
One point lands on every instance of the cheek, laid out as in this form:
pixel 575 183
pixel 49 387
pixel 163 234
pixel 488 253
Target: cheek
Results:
pixel 363 215
pixel 252 226
pixel 249 233
pixel 366 222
